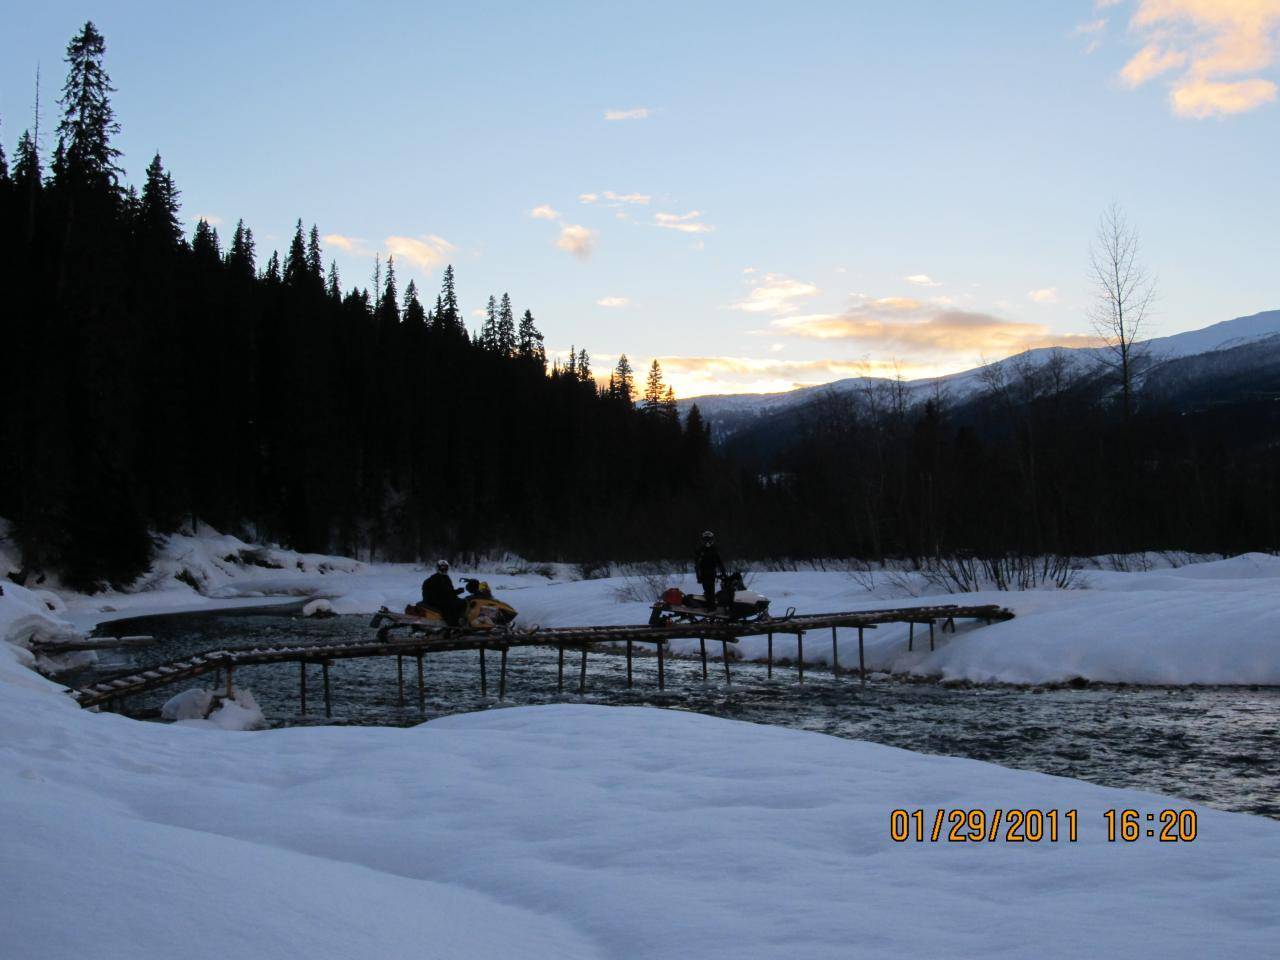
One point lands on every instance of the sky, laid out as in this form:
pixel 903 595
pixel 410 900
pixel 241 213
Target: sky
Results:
pixel 760 195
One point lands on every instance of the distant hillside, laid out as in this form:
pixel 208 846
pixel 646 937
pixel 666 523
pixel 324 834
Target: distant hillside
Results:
pixel 729 414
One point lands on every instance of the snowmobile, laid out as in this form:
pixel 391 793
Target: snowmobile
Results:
pixel 482 611
pixel 733 601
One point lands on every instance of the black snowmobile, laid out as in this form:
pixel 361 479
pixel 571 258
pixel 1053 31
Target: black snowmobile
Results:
pixel 733 601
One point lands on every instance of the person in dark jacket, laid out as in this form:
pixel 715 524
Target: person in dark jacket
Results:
pixel 439 592
pixel 706 564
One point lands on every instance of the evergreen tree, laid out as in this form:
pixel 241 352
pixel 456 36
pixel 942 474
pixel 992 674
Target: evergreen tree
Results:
pixel 489 331
pixel 653 389
pixel 414 315
pixel 272 272
pixel 4 166
pixel 622 382
pixel 241 256
pixel 27 175
pixel 571 364
pixel 506 328
pixel 584 366
pixel 296 270
pixel 88 122
pixel 315 265
pixel 389 303
pixel 157 216
pixel 448 316
pixel 669 408
pixel 334 286
pixel 529 341
pixel 204 244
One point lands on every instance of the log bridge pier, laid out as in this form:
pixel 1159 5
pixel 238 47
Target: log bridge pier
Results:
pixel 415 643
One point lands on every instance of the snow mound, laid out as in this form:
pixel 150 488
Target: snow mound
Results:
pixel 319 608
pixel 203 708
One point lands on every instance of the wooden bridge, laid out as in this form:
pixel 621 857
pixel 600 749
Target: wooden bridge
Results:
pixel 417 644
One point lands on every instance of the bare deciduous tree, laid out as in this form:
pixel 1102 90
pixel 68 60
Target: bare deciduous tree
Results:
pixel 1123 294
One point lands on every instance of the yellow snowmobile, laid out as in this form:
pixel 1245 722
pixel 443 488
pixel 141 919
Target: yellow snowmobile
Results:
pixel 482 611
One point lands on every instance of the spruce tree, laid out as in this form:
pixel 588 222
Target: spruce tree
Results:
pixel 334 286
pixel 506 328
pixel 489 331
pixel 241 256
pixel 315 264
pixel 88 122
pixel 272 272
pixel 4 166
pixel 414 316
pixel 653 389
pixel 571 365
pixel 529 341
pixel 584 366
pixel 622 382
pixel 669 408
pixel 295 266
pixel 157 216
pixel 204 245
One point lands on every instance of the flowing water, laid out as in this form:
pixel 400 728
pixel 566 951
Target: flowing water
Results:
pixel 1216 745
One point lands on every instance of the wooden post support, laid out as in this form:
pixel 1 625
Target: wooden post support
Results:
pixel 582 675
pixel 702 645
pixel 628 663
pixel 770 654
pixel 400 680
pixel 724 654
pixel 484 679
pixel 930 634
pixel 862 659
pixel 302 685
pixel 662 670
pixel 422 685
pixel 328 702
pixel 502 675
pixel 911 635
pixel 835 655
pixel 560 676
pixel 800 653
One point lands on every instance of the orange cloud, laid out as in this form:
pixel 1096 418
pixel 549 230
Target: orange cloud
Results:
pixel 925 330
pixel 1215 45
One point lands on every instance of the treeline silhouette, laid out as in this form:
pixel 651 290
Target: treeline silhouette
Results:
pixel 150 381
pixel 1039 461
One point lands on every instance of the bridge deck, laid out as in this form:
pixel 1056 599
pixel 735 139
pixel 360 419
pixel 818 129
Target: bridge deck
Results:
pixel 419 644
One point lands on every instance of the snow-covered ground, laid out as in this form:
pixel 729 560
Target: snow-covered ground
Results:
pixel 1206 623
pixel 577 831
pixel 574 831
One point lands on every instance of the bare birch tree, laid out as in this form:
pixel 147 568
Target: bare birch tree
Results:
pixel 1123 294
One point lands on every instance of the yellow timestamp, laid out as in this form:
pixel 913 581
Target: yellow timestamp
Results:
pixel 1015 825
pixel 1167 826
pixel 1029 825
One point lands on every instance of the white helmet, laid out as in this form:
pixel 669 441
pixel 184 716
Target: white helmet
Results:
pixel 442 566
pixel 708 535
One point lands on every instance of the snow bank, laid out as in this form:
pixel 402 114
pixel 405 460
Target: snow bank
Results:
pixel 575 831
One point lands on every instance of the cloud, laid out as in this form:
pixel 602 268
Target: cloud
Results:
pixel 577 239
pixel 480 313
pixel 1094 30
pixel 1044 295
pixel 1215 48
pixel 775 293
pixel 612 302
pixel 921 330
pixel 349 244
pixel 544 211
pixel 210 218
pixel 696 376
pixel 426 251
pixel 635 113
pixel 616 198
pixel 684 222
pixel 922 280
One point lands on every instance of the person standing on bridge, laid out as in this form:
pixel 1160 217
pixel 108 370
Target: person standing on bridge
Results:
pixel 706 564
pixel 439 592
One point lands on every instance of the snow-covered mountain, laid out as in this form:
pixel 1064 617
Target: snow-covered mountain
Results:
pixel 730 410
